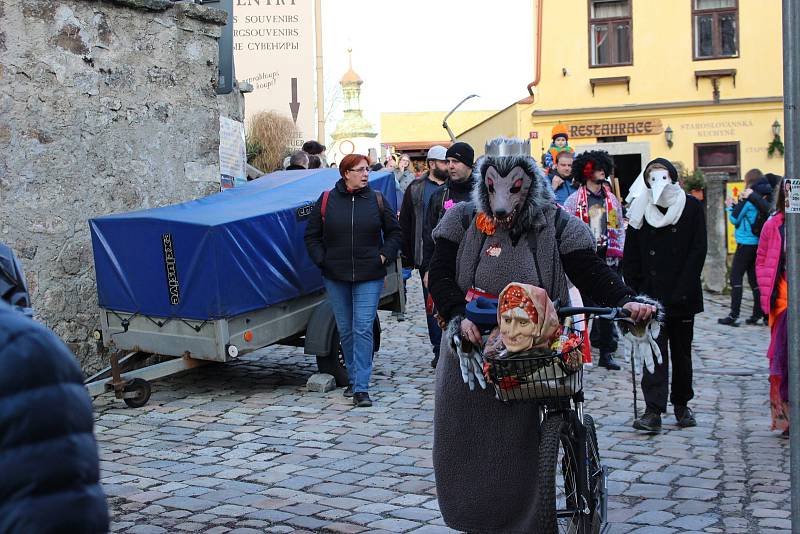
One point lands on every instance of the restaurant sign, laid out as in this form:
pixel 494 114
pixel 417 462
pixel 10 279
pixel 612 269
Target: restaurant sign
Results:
pixel 579 130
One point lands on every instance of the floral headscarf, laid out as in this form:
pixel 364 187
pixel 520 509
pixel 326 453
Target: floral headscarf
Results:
pixel 537 305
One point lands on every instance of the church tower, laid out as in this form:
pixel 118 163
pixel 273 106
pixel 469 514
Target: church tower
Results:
pixel 353 133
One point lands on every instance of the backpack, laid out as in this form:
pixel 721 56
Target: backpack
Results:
pixel 326 194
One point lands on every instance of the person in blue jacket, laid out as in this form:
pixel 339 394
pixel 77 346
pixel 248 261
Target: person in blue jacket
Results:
pixel 747 218
pixel 49 466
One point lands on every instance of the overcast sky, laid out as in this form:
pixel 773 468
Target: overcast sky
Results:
pixel 469 46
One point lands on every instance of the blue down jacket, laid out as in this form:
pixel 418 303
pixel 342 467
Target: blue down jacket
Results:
pixel 49 467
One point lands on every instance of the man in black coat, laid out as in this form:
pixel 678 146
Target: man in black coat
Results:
pixel 412 218
pixel 458 188
pixel 665 249
pixel 49 468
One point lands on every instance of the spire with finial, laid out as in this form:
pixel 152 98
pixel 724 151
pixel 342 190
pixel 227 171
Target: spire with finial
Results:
pixel 350 77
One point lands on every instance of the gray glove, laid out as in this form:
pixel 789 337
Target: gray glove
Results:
pixel 644 349
pixel 470 361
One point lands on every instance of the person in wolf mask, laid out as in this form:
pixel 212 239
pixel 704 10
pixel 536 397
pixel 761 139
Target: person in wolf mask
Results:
pixel 665 251
pixel 596 204
pixel 512 231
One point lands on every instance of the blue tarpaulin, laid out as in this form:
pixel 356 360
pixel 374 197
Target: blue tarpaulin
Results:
pixel 218 256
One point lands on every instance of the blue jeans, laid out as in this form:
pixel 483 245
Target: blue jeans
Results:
pixel 406 275
pixel 354 307
pixel 434 332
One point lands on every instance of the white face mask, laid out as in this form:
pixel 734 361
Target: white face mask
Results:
pixel 658 180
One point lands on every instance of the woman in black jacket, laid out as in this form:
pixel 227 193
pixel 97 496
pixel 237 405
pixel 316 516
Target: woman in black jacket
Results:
pixel 351 236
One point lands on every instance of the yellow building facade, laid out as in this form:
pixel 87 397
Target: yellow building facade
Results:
pixel 698 82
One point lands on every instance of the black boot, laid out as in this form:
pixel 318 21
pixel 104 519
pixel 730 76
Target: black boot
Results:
pixel 361 399
pixel 650 421
pixel 685 416
pixel 729 321
pixel 607 361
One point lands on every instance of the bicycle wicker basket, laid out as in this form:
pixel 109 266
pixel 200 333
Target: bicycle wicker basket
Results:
pixel 535 376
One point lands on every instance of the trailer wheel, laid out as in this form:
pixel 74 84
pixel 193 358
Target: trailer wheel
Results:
pixel 141 390
pixel 333 363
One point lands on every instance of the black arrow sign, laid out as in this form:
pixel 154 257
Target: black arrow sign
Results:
pixel 294 105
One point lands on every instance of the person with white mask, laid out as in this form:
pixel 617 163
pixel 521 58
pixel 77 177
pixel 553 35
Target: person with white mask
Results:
pixel 665 249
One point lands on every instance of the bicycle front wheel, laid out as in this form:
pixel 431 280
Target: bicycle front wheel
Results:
pixel 560 501
pixel 598 492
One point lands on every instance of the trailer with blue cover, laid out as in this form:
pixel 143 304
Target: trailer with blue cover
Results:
pixel 213 278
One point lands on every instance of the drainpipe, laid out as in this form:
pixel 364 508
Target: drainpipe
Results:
pixel 320 79
pixel 535 82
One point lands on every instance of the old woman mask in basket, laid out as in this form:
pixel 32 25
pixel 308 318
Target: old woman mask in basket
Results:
pixel 526 320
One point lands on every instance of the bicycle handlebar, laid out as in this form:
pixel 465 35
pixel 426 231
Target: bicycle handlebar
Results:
pixel 613 314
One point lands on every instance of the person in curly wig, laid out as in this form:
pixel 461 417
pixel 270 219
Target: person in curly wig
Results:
pixel 595 203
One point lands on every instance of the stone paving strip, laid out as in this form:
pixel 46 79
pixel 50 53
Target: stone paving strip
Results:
pixel 245 448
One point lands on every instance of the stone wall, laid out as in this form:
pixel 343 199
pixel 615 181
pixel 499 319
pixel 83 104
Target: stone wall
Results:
pixel 105 106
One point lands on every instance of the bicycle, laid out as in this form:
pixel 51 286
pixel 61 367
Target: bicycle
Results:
pixel 571 489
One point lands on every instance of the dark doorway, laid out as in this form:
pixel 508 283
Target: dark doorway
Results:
pixel 627 168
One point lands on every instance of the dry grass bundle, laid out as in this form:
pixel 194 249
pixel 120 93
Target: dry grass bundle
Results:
pixel 269 134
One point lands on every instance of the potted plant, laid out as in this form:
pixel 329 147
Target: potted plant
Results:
pixel 694 183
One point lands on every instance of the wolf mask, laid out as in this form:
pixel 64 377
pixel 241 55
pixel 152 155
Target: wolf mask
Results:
pixel 512 188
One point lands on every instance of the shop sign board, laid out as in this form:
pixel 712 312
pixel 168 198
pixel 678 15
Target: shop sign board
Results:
pixel 610 128
pixel 273 44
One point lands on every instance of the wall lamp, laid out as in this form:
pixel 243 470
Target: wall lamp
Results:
pixel 668 136
pixel 776 145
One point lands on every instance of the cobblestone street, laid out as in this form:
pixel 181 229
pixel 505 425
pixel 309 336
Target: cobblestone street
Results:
pixel 243 447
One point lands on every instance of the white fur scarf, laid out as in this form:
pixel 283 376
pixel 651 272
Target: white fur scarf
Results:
pixel 643 209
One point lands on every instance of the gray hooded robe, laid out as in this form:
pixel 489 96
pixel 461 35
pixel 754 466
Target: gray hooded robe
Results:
pixel 485 451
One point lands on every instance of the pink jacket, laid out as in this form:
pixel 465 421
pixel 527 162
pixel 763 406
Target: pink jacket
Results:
pixel 768 259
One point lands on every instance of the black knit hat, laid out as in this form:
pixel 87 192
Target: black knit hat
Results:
pixel 462 152
pixel 671 170
pixel 585 163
